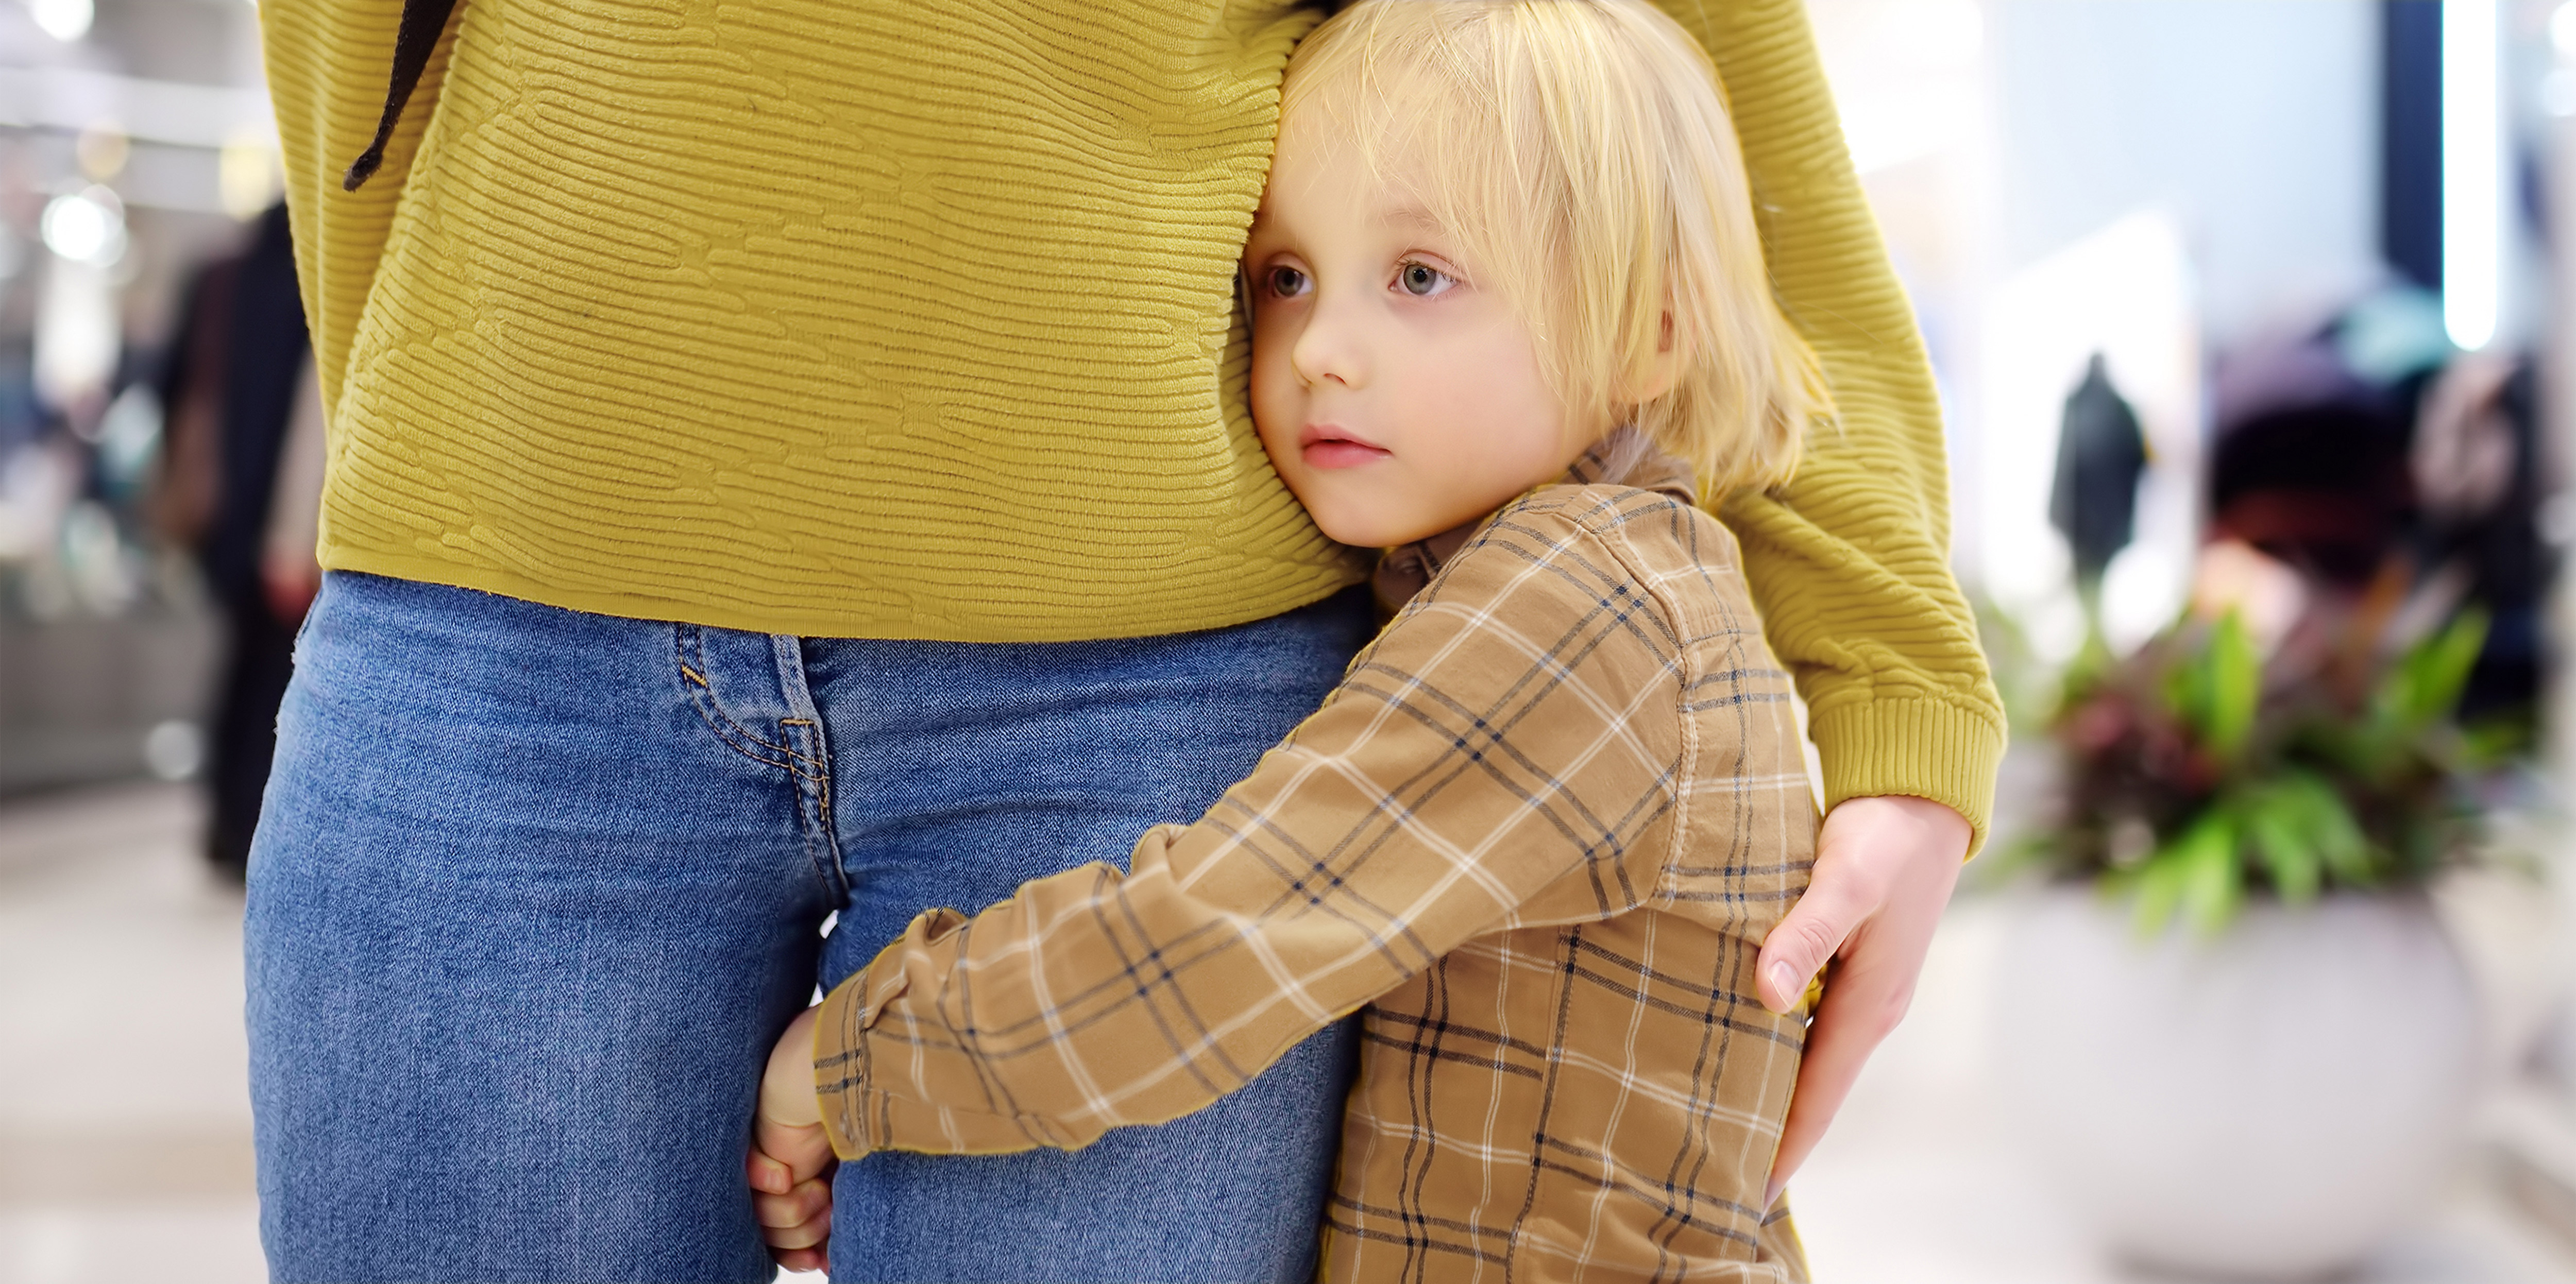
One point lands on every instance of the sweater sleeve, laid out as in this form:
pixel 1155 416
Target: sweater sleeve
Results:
pixel 1849 562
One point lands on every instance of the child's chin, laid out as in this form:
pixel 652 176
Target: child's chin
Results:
pixel 1341 522
pixel 1366 511
pixel 1359 534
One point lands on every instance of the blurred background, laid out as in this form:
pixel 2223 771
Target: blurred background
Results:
pixel 2246 315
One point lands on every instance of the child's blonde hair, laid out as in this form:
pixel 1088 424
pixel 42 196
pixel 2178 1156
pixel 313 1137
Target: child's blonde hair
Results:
pixel 1582 151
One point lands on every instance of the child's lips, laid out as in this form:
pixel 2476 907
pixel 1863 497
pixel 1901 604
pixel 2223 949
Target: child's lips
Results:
pixel 1326 446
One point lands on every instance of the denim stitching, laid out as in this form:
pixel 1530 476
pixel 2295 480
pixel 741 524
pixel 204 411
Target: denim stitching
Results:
pixel 811 773
pixel 728 732
pixel 814 800
pixel 715 709
pixel 814 792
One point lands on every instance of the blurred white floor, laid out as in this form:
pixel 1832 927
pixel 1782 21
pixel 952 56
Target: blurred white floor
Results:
pixel 124 1080
pixel 125 1119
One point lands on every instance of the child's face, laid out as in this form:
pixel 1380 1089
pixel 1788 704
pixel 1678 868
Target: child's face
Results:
pixel 1396 395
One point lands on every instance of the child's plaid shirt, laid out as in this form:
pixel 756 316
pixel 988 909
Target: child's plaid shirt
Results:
pixel 1539 831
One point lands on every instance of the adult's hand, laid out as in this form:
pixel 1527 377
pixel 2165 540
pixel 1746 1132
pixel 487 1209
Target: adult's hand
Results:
pixel 1884 871
pixel 790 1165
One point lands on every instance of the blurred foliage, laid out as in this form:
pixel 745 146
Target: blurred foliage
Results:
pixel 2030 685
pixel 2198 773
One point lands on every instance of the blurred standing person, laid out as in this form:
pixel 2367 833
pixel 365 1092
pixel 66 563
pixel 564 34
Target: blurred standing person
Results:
pixel 181 499
pixel 775 449
pixel 241 482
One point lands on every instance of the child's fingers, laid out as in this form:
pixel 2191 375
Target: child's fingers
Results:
pixel 766 1174
pixel 805 1150
pixel 810 1203
pixel 798 1207
pixel 801 1259
pixel 811 1227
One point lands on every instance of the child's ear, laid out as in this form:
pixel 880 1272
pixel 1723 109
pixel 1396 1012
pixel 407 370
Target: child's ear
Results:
pixel 1663 370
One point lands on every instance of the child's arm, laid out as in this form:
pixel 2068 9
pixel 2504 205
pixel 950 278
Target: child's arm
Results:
pixel 1509 751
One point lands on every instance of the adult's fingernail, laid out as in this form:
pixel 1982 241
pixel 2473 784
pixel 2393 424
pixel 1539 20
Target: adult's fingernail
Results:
pixel 1784 978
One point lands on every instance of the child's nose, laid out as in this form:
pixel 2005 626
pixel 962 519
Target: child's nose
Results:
pixel 1330 347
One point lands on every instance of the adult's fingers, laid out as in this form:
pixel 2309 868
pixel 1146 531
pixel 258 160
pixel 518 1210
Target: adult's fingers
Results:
pixel 1860 1009
pixel 1884 870
pixel 1839 898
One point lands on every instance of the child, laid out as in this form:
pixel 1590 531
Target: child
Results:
pixel 1510 321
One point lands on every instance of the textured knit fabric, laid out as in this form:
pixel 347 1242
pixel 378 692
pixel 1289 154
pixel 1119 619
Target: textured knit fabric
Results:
pixel 1540 829
pixel 913 319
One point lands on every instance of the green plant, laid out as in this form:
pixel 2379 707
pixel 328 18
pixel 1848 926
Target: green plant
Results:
pixel 2199 773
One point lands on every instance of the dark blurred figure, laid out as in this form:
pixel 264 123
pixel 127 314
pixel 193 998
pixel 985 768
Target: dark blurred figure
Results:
pixel 2101 454
pixel 241 417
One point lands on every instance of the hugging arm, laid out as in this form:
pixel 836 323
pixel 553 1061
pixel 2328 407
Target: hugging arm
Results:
pixel 1518 748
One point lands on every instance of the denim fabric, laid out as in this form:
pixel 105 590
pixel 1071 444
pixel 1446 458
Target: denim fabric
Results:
pixel 535 890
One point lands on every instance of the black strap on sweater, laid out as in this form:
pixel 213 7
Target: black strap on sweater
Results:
pixel 422 23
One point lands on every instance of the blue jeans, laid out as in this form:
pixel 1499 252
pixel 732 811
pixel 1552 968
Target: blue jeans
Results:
pixel 534 891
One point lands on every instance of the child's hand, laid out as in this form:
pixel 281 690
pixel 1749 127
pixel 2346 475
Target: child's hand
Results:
pixel 790 1167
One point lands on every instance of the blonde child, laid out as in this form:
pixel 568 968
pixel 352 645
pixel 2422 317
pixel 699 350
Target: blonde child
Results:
pixel 1510 321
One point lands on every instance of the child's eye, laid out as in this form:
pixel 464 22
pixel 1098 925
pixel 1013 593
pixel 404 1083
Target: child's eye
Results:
pixel 1422 280
pixel 1286 282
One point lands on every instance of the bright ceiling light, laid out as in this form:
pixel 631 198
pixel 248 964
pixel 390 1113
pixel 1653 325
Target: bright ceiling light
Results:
pixel 86 227
pixel 64 20
pixel 1937 32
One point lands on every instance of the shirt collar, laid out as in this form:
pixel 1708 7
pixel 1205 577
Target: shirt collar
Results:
pixel 1627 457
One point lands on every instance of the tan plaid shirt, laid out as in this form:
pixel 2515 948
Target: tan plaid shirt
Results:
pixel 1538 833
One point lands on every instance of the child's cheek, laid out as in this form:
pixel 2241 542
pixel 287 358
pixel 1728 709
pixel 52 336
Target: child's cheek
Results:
pixel 1276 412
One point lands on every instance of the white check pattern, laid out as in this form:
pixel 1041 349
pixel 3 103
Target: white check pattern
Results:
pixel 1538 833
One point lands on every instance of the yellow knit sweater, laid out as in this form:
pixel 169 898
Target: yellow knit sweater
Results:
pixel 911 319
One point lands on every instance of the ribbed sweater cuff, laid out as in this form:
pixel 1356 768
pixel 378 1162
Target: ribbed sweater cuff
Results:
pixel 1918 748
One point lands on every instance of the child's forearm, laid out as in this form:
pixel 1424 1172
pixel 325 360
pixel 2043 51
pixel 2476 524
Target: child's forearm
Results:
pixel 1441 792
pixel 1092 1000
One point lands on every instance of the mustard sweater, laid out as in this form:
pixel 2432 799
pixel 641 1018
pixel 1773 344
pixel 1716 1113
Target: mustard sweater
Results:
pixel 913 319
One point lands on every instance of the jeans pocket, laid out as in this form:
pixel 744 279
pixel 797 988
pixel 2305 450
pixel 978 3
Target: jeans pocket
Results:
pixel 295 649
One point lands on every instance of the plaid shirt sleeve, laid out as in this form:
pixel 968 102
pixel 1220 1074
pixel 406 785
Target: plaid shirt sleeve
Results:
pixel 1510 751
